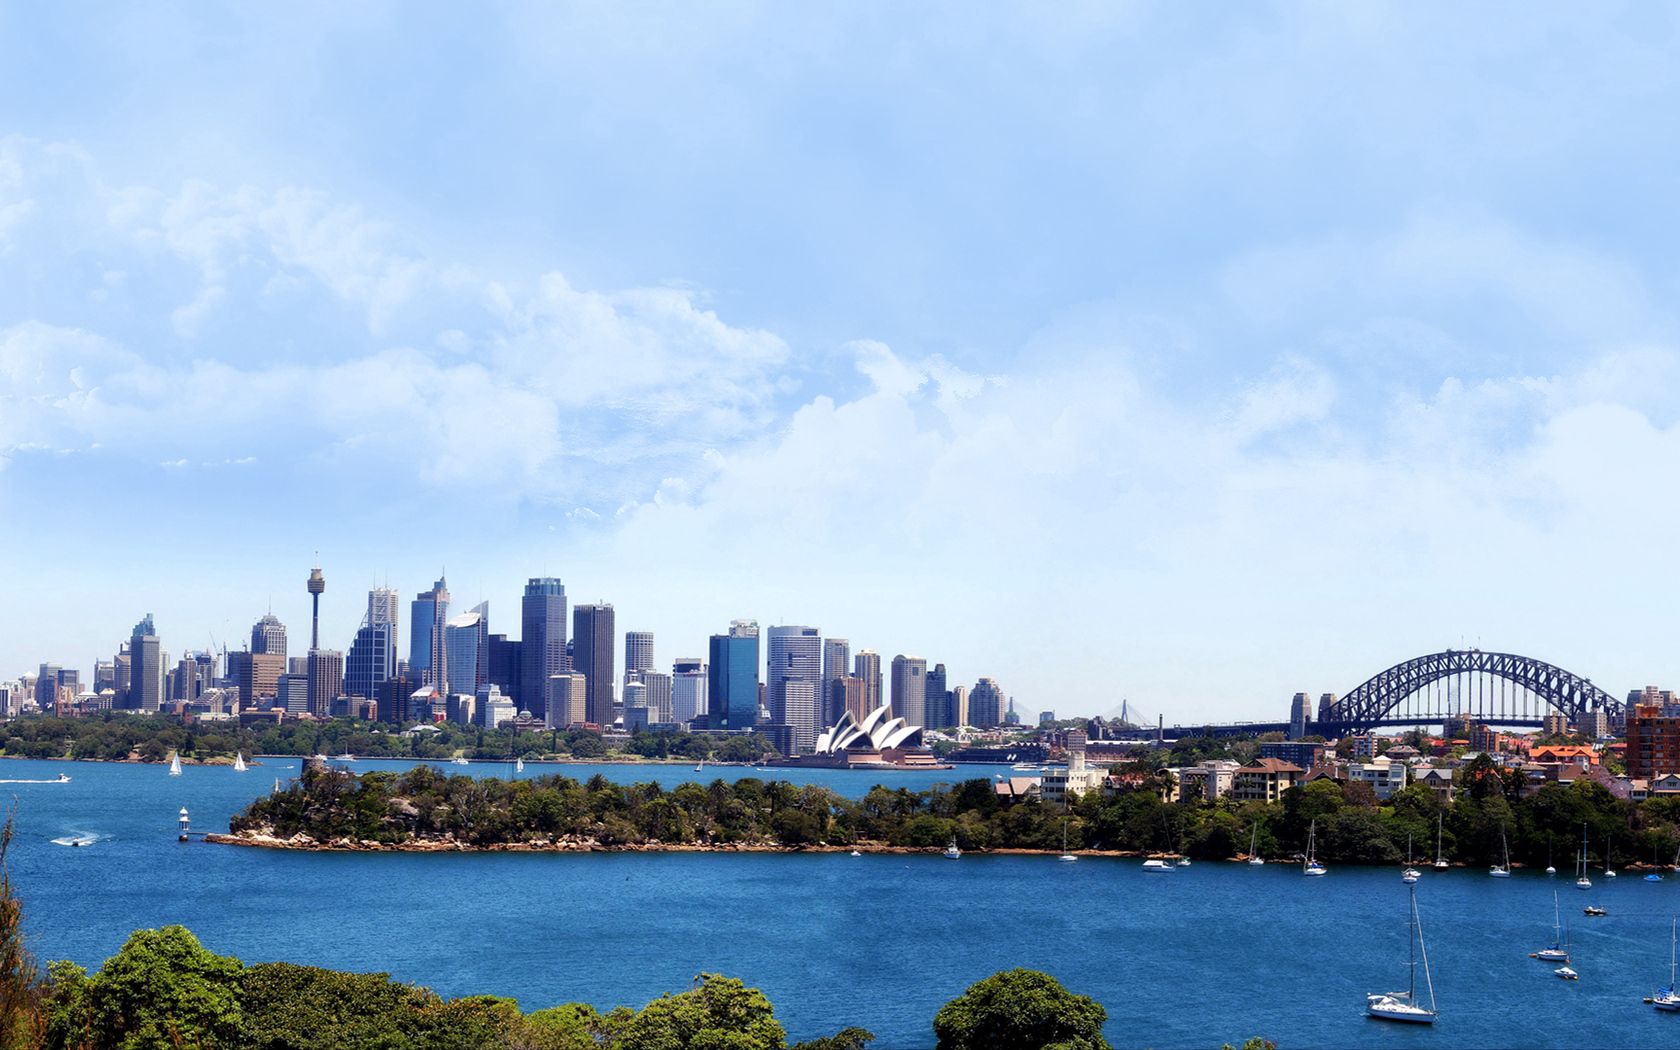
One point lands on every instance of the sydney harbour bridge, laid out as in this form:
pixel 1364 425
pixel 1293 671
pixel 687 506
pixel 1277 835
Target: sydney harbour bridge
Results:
pixel 1498 689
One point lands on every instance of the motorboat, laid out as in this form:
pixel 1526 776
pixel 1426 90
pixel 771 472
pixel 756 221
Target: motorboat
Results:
pixel 1154 866
pixel 855 853
pixel 1404 1006
pixel 1184 862
pixel 951 851
pixel 1594 910
pixel 1567 973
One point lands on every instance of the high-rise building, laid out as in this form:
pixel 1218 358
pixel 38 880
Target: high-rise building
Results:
pixel 836 664
pixel 428 618
pixel 256 676
pixel 268 635
pixel 593 633
pixel 638 652
pixel 506 670
pixel 985 704
pixel 867 666
pixel 542 642
pixel 567 700
pixel 658 686
pixel 146 681
pixel 1653 741
pixel 847 698
pixel 909 689
pixel 959 706
pixel 317 584
pixel 326 680
pixel 383 603
pixel 466 641
pixel 372 660
pixel 793 677
pixel 937 700
pixel 732 687
pixel 46 687
pixel 122 674
pixel 688 689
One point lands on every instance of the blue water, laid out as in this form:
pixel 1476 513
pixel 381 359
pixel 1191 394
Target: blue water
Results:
pixel 1206 954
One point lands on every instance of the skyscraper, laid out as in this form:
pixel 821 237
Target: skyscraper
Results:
pixel 937 700
pixel 326 680
pixel 732 687
pixel 317 584
pixel 867 666
pixel 793 673
pixel 382 606
pixel 909 689
pixel 542 642
pixel 467 643
pixel 836 661
pixel 428 616
pixel 146 667
pixel 372 660
pixel 268 635
pixel 985 704
pixel 688 689
pixel 638 653
pixel 593 634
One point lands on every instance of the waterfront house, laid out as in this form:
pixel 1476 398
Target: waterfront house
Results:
pixel 1385 776
pixel 1264 781
pixel 1437 780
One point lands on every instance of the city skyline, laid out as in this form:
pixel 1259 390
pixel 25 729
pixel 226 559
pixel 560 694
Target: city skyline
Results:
pixel 1246 357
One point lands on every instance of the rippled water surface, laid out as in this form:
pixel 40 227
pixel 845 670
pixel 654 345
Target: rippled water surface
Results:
pixel 1206 954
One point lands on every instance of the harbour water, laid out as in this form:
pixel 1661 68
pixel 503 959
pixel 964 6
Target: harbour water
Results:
pixel 1209 953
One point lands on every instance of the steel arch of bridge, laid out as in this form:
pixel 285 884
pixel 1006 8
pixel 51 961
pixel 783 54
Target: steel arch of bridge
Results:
pixel 1565 691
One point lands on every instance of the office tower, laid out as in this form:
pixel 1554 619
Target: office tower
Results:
pixel 566 700
pixel 592 643
pixel 909 689
pixel 688 690
pixel 183 685
pixel 636 714
pixel 428 616
pixel 732 687
pixel 658 686
pixel 507 673
pixel 317 584
pixel 326 680
pixel 46 686
pixel 985 704
pixel 846 697
pixel 793 680
pixel 372 660
pixel 542 641
pixel 145 691
pixel 638 652
pixel 493 707
pixel 467 645
pixel 104 675
pixel 383 603
pixel 122 674
pixel 836 663
pixel 393 700
pixel 256 676
pixel 291 693
pixel 268 635
pixel 867 666
pixel 959 706
pixel 936 700
pixel 297 665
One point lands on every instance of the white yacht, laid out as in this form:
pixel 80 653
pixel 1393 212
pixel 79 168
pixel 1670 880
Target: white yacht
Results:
pixel 1557 951
pixel 1309 863
pixel 1667 999
pixel 951 851
pixel 1156 867
pixel 1440 856
pixel 1254 846
pixel 174 764
pixel 1410 874
pixel 1502 871
pixel 1404 1006
pixel 1581 880
pixel 1066 856
pixel 239 762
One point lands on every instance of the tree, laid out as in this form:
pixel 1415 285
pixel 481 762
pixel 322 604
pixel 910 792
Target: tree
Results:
pixel 1020 1010
pixel 164 989
pixel 853 1038
pixel 21 1016
pixel 721 1013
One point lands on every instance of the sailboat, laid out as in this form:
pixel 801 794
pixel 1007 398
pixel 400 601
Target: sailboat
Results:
pixel 1653 876
pixel 1411 874
pixel 1581 880
pixel 1404 1006
pixel 239 762
pixel 1254 846
pixel 698 766
pixel 519 764
pixel 174 764
pixel 1557 951
pixel 1065 854
pixel 276 785
pixel 1549 869
pixel 1310 864
pixel 1667 999
pixel 1440 855
pixel 1502 871
pixel 1609 873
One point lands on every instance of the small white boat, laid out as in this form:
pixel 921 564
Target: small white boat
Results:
pixel 174 764
pixel 1594 910
pixel 1156 867
pixel 1184 862
pixel 698 766
pixel 1066 856
pixel 1581 880
pixel 277 788
pixel 855 853
pixel 239 762
pixel 519 765
pixel 346 757
pixel 1502 871
pixel 1404 1006
pixel 1667 999
pixel 459 761
pixel 951 851
pixel 1309 863
pixel 1254 846
pixel 1567 973
pixel 64 778
pixel 1609 872
pixel 1440 855
pixel 1557 951
pixel 1410 874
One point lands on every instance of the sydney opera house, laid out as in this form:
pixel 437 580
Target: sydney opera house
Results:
pixel 878 740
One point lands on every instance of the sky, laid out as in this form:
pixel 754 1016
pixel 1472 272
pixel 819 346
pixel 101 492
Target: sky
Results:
pixel 1182 353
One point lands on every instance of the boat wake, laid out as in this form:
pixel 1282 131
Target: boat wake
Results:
pixel 60 779
pixel 76 840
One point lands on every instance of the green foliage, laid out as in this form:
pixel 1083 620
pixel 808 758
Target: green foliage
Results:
pixel 720 1013
pixel 164 989
pixel 1020 1010
pixel 21 1013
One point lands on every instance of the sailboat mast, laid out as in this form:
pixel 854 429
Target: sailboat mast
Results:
pixel 1411 947
pixel 1423 949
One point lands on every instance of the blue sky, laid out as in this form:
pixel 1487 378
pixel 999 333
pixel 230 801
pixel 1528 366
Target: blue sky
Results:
pixel 1186 353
